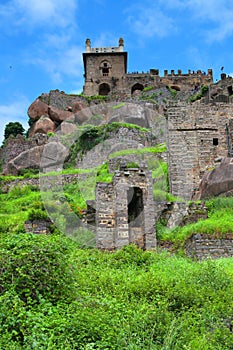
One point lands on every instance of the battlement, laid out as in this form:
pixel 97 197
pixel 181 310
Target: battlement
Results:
pixel 190 73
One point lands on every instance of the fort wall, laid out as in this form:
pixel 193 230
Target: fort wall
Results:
pixel 197 139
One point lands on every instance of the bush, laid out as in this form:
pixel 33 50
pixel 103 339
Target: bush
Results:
pixel 35 266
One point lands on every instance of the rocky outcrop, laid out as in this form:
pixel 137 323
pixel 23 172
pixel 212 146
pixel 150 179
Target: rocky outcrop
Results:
pixel 50 110
pixel 27 159
pixel 14 146
pixel 219 181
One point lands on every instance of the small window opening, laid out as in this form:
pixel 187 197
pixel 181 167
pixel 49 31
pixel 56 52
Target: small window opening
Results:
pixel 230 90
pixel 215 141
pixel 105 71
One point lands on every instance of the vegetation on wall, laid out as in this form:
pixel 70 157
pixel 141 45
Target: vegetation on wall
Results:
pixel 200 94
pixel 218 224
pixel 93 135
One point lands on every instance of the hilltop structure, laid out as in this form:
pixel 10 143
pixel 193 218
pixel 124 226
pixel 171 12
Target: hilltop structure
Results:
pixel 105 72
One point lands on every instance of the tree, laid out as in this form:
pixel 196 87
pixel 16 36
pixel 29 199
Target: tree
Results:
pixel 13 128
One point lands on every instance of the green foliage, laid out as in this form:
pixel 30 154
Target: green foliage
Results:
pixel 29 173
pixel 103 174
pixel 93 135
pixel 122 104
pixel 173 92
pixel 50 134
pixel 148 88
pixel 61 297
pixel 200 94
pixel 37 214
pixel 132 165
pixel 13 128
pixel 98 98
pixel 218 223
pixel 149 97
pixel 160 148
pixel 34 266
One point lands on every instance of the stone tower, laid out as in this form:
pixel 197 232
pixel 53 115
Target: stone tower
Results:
pixel 104 68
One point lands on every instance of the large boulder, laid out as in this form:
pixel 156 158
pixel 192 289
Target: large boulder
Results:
pixel 43 126
pixel 219 181
pixel 78 106
pixel 58 115
pixel 37 109
pixel 54 155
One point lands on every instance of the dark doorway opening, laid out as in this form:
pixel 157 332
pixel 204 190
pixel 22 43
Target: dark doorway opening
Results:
pixel 135 206
pixel 104 89
pixel 136 88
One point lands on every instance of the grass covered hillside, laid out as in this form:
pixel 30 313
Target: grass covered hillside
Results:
pixel 58 293
pixel 56 296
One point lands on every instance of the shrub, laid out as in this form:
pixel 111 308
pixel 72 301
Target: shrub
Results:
pixel 34 266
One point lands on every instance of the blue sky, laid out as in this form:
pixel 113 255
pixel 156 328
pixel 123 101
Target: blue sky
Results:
pixel 42 41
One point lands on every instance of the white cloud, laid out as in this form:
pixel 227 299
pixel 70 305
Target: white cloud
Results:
pixel 212 19
pixel 16 111
pixel 217 14
pixel 149 21
pixel 28 14
pixel 65 61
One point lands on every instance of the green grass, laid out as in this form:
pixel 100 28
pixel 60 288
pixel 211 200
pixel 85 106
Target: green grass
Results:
pixel 218 223
pixel 157 149
pixel 57 296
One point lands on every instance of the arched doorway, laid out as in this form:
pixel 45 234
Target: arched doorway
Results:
pixel 136 88
pixel 104 89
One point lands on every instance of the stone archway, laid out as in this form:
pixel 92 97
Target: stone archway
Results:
pixel 136 88
pixel 104 89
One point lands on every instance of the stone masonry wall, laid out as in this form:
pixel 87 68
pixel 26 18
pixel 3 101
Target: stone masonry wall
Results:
pixel 196 139
pixel 203 246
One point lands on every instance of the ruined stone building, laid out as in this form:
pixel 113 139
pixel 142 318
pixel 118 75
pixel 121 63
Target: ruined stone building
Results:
pixel 105 72
pixel 125 210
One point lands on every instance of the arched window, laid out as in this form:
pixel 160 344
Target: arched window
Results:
pixel 104 89
pixel 105 67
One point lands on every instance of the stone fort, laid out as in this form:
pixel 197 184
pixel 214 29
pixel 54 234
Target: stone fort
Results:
pixel 105 73
pixel 198 136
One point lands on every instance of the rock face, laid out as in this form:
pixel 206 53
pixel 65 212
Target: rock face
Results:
pixel 54 155
pixel 37 109
pixel 218 181
pixel 27 159
pixel 14 146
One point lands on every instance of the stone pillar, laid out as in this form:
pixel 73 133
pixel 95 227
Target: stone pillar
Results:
pixel 121 207
pixel 88 45
pixel 105 216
